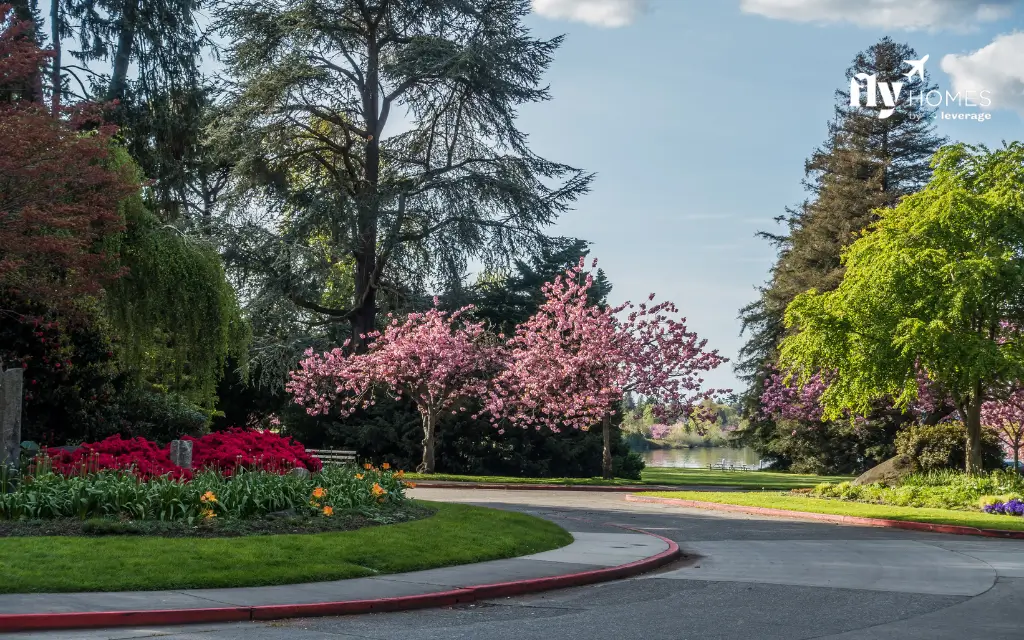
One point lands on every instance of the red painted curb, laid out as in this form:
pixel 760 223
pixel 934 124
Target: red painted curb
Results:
pixel 84 619
pixel 836 519
pixel 87 619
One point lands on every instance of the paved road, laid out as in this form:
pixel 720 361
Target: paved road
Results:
pixel 746 578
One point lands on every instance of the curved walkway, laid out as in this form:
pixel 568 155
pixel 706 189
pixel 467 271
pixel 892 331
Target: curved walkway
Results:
pixel 591 557
pixel 746 576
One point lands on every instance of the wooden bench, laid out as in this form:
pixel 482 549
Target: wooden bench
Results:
pixel 333 456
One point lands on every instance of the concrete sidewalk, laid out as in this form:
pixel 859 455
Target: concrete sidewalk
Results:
pixel 591 557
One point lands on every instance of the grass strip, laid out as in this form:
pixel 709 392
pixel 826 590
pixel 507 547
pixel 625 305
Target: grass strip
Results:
pixel 774 500
pixel 664 476
pixel 456 534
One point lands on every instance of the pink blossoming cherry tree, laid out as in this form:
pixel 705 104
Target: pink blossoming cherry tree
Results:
pixel 1006 418
pixel 571 363
pixel 436 359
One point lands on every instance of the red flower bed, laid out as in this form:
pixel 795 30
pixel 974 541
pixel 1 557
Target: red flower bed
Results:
pixel 224 451
pixel 145 458
pixel 227 450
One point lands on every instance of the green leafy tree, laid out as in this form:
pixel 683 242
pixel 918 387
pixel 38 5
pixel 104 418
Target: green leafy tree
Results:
pixel 936 284
pixel 388 130
pixel 175 314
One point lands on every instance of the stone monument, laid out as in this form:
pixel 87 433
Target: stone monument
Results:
pixel 11 382
pixel 181 453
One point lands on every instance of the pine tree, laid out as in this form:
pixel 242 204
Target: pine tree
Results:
pixel 866 163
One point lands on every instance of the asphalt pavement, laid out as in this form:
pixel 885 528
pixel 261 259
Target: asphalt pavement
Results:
pixel 744 577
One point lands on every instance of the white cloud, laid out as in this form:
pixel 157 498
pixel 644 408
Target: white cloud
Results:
pixel 888 14
pixel 997 67
pixel 601 13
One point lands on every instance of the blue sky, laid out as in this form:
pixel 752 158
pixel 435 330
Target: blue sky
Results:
pixel 697 117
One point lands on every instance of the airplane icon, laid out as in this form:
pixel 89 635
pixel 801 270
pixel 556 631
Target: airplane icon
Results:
pixel 916 68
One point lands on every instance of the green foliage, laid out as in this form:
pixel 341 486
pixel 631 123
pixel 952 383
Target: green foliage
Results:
pixel 175 314
pixel 929 287
pixel 838 447
pixel 939 490
pixel 156 415
pixel 930 283
pixel 943 446
pixel 247 494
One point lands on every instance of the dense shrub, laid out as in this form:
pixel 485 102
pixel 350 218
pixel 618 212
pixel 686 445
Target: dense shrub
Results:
pixel 837 447
pixel 391 431
pixel 938 489
pixel 246 494
pixel 157 415
pixel 944 446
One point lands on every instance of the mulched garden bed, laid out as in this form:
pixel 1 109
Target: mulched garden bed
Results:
pixel 272 524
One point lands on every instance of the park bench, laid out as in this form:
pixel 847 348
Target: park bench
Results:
pixel 333 456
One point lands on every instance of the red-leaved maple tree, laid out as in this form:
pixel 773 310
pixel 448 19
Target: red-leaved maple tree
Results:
pixel 59 187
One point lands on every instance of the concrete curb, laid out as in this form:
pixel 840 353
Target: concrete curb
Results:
pixel 835 519
pixel 633 488
pixel 92 619
pixel 626 488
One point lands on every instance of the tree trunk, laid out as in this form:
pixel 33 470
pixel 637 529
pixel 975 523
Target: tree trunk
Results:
pixel 972 420
pixel 429 437
pixel 1016 458
pixel 365 313
pixel 606 458
pixel 55 62
pixel 123 53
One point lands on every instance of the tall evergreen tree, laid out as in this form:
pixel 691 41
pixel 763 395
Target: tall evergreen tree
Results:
pixel 866 163
pixel 329 177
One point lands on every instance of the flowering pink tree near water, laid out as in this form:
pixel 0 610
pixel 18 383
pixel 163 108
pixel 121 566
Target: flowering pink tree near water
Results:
pixel 1006 418
pixel 436 359
pixel 781 400
pixel 571 363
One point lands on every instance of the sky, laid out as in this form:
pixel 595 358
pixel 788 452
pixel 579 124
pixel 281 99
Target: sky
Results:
pixel 697 116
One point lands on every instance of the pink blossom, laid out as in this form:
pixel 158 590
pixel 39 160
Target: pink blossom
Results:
pixel 572 362
pixel 434 358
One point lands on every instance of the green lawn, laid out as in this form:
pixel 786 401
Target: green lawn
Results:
pixel 456 534
pixel 774 500
pixel 667 476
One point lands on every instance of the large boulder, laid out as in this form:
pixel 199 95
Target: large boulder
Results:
pixel 889 472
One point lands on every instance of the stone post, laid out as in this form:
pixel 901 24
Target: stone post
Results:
pixel 11 382
pixel 181 453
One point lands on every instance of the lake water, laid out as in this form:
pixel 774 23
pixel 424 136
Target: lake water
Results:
pixel 700 457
